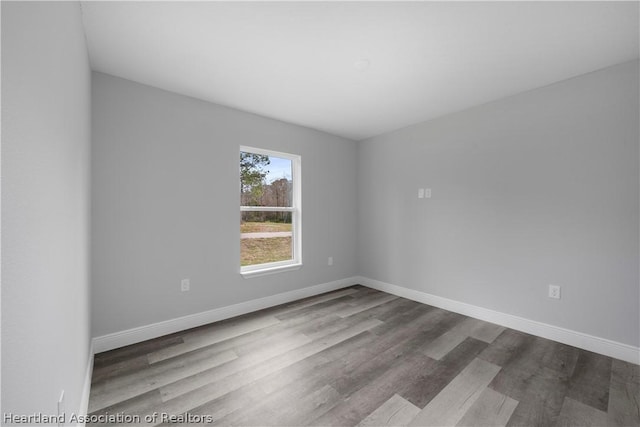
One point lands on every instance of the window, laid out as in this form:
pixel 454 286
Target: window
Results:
pixel 270 211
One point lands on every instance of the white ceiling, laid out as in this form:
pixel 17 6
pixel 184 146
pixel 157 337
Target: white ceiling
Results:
pixel 299 61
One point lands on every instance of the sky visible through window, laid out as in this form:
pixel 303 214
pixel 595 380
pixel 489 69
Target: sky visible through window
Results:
pixel 278 168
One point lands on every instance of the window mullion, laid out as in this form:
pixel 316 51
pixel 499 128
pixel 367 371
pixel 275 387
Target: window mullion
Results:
pixel 266 209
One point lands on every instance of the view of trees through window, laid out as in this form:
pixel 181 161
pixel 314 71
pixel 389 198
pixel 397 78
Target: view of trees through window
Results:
pixel 266 191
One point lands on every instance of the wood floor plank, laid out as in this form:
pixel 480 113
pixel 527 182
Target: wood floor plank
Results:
pixel 344 323
pixel 426 384
pixel 203 338
pixel 540 392
pixel 403 315
pixel 330 305
pixel 590 380
pixel 287 337
pixel 508 348
pixel 381 312
pixel 535 372
pixel 451 404
pixel 191 394
pixel 491 409
pixel 113 390
pixel 524 352
pixel 320 326
pixel 260 338
pixel 624 394
pixel 302 363
pixel 338 362
pixel 442 345
pixel 401 305
pixel 192 382
pixel 308 407
pixel 355 292
pixel 383 354
pixel 120 368
pixel 394 412
pixel 469 327
pixel 135 350
pixel 316 367
pixel 140 405
pixel 329 296
pixel 228 344
pixel 332 362
pixel 485 331
pixel 312 399
pixel 326 365
pixel 361 403
pixel 558 357
pixel 577 414
pixel 357 308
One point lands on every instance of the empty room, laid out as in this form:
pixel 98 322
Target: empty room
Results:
pixel 320 213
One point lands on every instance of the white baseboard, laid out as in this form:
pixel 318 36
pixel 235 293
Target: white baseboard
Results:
pixel 566 336
pixel 607 347
pixel 143 333
pixel 86 389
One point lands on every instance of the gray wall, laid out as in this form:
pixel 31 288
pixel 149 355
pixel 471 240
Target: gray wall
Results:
pixel 45 206
pixel 536 189
pixel 165 204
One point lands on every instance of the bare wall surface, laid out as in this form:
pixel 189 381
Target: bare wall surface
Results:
pixel 45 206
pixel 536 189
pixel 165 205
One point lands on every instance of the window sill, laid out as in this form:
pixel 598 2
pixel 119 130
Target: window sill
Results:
pixel 270 270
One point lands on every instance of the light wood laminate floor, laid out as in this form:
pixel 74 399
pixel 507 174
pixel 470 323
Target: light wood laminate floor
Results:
pixel 362 357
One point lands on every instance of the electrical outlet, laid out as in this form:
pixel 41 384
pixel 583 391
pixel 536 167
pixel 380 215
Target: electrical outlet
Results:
pixel 330 260
pixel 554 291
pixel 61 415
pixel 427 193
pixel 185 285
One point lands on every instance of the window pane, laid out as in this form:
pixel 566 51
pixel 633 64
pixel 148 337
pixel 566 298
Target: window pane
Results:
pixel 265 180
pixel 265 237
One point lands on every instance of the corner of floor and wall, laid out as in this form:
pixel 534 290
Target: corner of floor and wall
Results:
pixel 537 189
pixel 107 202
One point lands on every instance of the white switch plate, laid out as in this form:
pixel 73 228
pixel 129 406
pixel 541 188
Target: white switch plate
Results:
pixel 427 193
pixel 330 260
pixel 185 285
pixel 420 193
pixel 554 291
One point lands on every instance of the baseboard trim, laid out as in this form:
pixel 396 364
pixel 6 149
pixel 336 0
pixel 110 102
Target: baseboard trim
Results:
pixel 604 346
pixel 155 330
pixel 86 389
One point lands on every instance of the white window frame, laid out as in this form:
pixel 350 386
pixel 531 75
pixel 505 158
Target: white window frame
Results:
pixel 296 217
